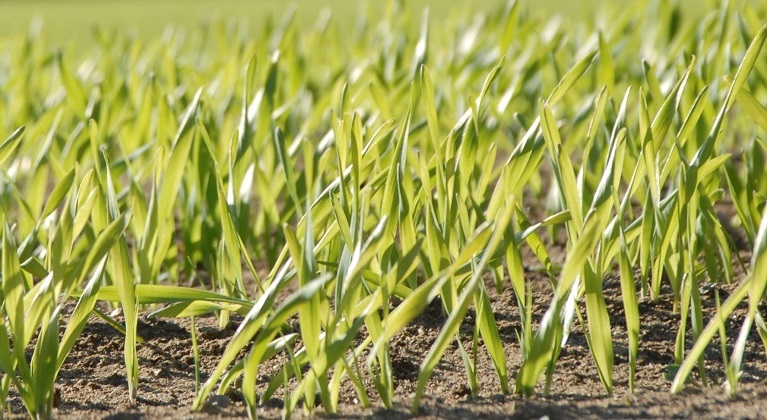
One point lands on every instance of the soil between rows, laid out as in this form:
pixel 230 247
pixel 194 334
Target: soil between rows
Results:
pixel 92 382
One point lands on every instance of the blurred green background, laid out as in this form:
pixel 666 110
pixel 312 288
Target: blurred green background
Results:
pixel 70 21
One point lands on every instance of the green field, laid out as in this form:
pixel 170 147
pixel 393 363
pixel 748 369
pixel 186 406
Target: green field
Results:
pixel 73 19
pixel 321 184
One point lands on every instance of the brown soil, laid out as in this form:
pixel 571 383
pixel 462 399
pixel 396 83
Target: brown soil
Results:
pixel 92 382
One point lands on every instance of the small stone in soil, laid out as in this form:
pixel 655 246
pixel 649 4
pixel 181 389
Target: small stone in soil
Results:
pixel 219 401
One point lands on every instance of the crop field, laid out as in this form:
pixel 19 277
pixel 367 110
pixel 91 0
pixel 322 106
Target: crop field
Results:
pixel 385 210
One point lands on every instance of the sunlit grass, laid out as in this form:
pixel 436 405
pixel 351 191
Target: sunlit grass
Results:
pixel 350 171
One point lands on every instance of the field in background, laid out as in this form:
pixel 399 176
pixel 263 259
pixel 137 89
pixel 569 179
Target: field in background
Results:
pixel 71 20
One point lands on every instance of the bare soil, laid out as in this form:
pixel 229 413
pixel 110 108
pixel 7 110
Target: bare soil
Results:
pixel 92 383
